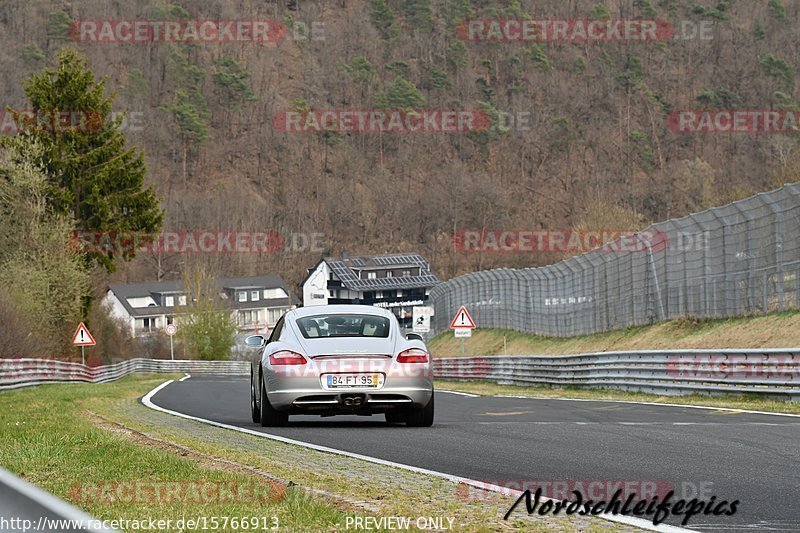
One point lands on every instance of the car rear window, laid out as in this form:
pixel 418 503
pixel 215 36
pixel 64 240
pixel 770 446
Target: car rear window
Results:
pixel 343 325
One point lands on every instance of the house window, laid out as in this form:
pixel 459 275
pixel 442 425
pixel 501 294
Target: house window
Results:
pixel 379 294
pixel 389 274
pixel 275 293
pixel 145 324
pixel 248 317
pixel 274 314
pixel 182 299
pixel 372 275
pixel 169 301
pixel 406 273
pixel 254 296
pixel 242 296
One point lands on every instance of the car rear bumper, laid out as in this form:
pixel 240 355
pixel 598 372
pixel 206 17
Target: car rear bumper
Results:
pixel 321 401
pixel 299 388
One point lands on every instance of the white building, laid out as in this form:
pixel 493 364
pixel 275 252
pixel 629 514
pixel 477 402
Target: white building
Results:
pixel 256 302
pixel 398 282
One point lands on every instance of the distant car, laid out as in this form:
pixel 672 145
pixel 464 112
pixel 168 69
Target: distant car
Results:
pixel 340 359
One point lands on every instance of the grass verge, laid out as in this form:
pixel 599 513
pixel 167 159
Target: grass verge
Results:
pixel 775 330
pixel 47 439
pixel 752 402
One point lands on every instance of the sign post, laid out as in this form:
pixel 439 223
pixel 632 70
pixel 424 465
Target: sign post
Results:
pixel 171 330
pixel 83 338
pixel 462 326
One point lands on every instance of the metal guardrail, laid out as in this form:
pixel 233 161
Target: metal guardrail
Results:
pixel 774 372
pixel 670 372
pixel 33 509
pixel 19 373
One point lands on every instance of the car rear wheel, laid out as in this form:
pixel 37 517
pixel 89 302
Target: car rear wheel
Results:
pixel 255 412
pixel 421 418
pixel 269 416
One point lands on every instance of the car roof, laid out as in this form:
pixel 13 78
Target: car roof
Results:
pixel 339 309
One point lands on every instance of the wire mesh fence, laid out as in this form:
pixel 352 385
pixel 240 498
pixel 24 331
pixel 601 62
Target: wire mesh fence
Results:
pixel 741 258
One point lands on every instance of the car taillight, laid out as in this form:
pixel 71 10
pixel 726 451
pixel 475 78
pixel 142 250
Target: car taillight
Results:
pixel 286 357
pixel 412 355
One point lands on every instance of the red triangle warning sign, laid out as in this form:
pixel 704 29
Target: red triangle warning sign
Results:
pixel 82 336
pixel 462 319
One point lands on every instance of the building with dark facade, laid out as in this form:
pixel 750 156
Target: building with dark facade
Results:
pixel 398 282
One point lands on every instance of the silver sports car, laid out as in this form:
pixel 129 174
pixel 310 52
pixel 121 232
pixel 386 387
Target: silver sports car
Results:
pixel 340 359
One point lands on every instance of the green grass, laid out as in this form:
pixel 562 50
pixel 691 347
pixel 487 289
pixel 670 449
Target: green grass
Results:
pixel 775 330
pixel 747 401
pixel 47 438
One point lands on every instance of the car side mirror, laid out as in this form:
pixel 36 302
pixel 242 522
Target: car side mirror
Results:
pixel 414 337
pixel 256 341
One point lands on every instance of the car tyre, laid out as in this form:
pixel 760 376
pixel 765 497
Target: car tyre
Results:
pixel 270 417
pixel 255 412
pixel 421 418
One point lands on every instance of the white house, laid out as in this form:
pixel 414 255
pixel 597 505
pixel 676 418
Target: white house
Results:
pixel 398 282
pixel 257 302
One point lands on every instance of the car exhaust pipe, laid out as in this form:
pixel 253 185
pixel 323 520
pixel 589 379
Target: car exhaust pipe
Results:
pixel 353 400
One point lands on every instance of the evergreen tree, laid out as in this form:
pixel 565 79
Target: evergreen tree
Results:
pixel 232 81
pixel 384 19
pixel 402 94
pixel 92 175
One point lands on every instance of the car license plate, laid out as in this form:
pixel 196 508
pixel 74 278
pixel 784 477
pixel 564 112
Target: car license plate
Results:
pixel 348 381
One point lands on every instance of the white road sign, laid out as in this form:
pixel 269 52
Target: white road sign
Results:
pixel 82 337
pixel 462 319
pixel 422 319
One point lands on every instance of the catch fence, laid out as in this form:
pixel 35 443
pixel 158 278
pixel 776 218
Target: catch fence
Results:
pixel 739 259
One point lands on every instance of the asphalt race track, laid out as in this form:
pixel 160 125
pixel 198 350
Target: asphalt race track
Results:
pixel 752 458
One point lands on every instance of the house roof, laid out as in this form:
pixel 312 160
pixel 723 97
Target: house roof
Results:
pixel 347 270
pixel 141 290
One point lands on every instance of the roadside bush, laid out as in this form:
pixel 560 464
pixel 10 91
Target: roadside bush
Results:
pixel 207 329
pixel 114 339
pixel 16 337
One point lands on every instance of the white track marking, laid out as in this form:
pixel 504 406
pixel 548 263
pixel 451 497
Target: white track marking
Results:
pixel 563 423
pixel 147 400
pixel 459 393
pixel 184 378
